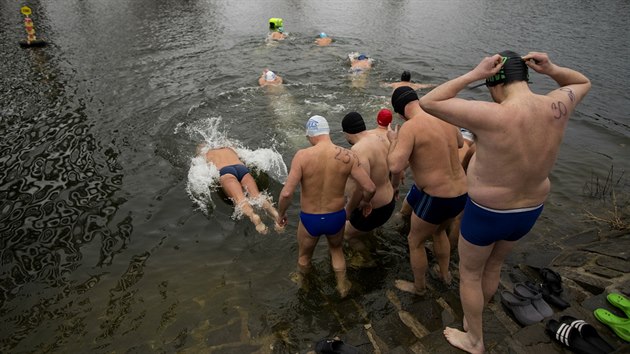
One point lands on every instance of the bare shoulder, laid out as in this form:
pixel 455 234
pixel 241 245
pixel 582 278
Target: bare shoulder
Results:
pixel 344 155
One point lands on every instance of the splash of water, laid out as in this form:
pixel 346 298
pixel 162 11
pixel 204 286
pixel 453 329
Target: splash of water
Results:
pixel 203 177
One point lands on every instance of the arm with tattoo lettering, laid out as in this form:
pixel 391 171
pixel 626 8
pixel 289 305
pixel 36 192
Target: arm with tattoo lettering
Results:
pixel 573 85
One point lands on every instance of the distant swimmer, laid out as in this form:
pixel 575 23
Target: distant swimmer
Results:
pixel 323 40
pixel 405 80
pixel 276 27
pixel 279 35
pixel 360 63
pixel 322 171
pixel 269 78
pixel 236 180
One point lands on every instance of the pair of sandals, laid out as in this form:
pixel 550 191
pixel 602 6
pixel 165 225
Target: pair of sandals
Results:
pixel 551 288
pixel 577 335
pixel 619 325
pixel 526 304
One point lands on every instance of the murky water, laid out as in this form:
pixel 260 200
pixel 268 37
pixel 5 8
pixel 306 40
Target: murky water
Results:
pixel 105 247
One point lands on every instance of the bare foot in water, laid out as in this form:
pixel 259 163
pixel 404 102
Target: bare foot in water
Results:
pixel 344 287
pixel 260 226
pixel 409 287
pixel 279 229
pixel 437 274
pixel 463 341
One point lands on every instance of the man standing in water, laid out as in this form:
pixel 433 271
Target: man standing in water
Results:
pixel 322 171
pixel 517 139
pixel 371 148
pixel 429 147
pixel 234 177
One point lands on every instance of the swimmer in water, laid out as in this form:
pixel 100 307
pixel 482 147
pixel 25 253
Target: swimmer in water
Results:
pixel 236 180
pixel 269 78
pixel 323 40
pixel 405 80
pixel 359 64
pixel 278 35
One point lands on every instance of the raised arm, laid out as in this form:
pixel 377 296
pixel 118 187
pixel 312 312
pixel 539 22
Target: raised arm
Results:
pixel 286 194
pixel 443 103
pixel 573 85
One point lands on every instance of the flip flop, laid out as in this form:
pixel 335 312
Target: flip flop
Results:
pixel 552 279
pixel 619 325
pixel 588 332
pixel 535 296
pixel 570 337
pixel 521 308
pixel 620 301
pixel 334 346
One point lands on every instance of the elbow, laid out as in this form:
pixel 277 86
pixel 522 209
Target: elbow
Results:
pixel 396 168
pixel 285 194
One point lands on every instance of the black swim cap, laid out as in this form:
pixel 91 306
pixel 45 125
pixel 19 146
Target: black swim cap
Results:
pixel 401 97
pixel 406 76
pixel 352 123
pixel 514 69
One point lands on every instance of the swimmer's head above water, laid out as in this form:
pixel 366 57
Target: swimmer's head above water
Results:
pixel 406 76
pixel 270 75
pixel 362 57
pixel 323 35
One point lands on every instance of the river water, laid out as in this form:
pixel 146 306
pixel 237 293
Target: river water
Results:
pixel 112 236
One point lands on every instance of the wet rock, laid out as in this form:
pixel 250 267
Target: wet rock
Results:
pixel 594 285
pixel 572 259
pixel 604 272
pixel 613 263
pixel 584 237
pixel 615 247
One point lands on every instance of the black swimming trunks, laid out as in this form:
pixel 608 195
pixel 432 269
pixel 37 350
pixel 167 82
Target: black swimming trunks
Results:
pixel 377 217
pixel 239 171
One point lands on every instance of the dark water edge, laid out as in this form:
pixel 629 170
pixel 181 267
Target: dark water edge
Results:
pixel 101 247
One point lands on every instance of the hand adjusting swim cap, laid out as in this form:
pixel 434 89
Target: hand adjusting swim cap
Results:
pixel 401 97
pixel 513 69
pixel 317 125
pixel 352 123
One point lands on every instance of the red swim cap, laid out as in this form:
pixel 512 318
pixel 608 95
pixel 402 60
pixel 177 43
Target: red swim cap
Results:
pixel 384 117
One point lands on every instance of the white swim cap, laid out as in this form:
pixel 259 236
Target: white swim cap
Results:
pixel 270 75
pixel 317 125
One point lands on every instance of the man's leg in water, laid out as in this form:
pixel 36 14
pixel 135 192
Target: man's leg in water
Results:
pixel 252 188
pixel 335 246
pixel 234 190
pixel 306 247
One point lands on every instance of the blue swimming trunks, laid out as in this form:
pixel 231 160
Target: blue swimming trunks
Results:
pixel 323 224
pixel 436 210
pixel 413 196
pixel 239 171
pixel 483 226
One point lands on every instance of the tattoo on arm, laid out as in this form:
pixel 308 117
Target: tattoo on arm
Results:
pixel 343 155
pixel 569 92
pixel 559 110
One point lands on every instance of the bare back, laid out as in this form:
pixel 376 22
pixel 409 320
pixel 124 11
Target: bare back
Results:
pixel 513 160
pixel 372 153
pixel 434 159
pixel 222 157
pixel 325 170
